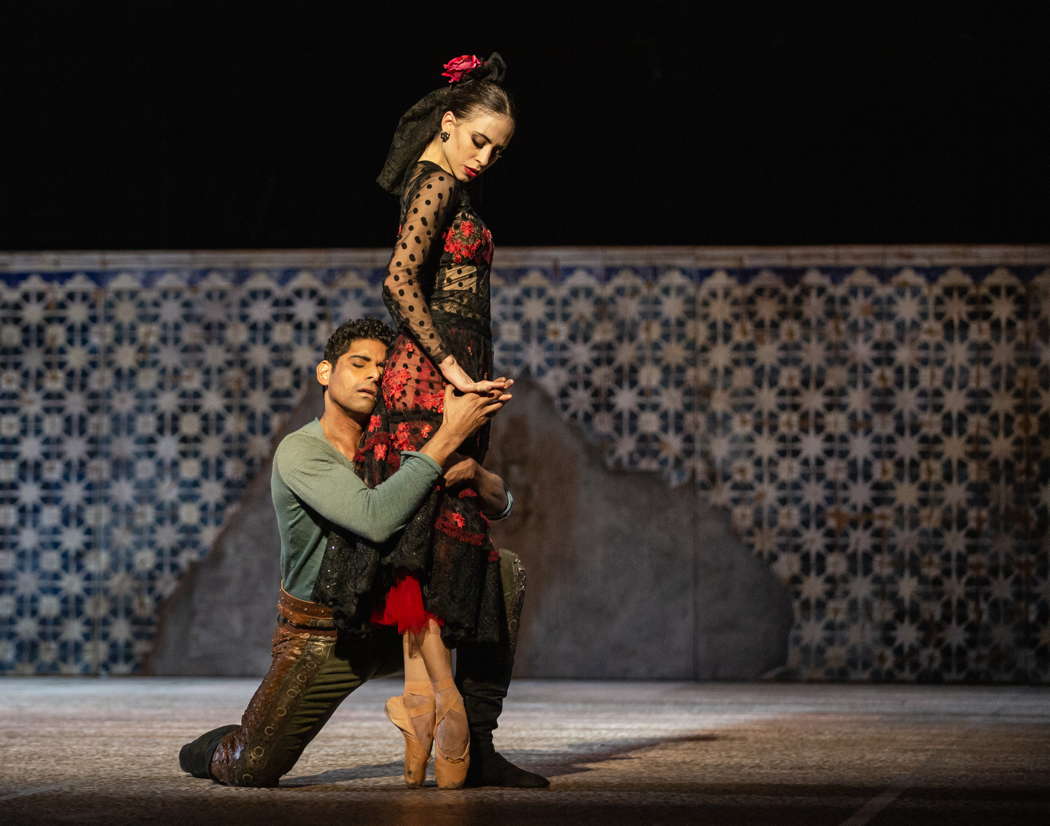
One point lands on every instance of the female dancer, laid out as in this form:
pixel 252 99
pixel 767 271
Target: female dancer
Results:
pixel 439 582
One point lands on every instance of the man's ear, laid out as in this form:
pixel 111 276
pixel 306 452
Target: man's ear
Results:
pixel 323 371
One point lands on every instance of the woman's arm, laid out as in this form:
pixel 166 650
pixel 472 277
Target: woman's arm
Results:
pixel 430 208
pixel 432 204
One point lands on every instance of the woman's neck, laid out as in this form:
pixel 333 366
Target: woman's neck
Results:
pixel 434 154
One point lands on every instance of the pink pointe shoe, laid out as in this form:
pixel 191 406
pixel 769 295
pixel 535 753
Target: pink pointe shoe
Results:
pixel 450 770
pixel 417 750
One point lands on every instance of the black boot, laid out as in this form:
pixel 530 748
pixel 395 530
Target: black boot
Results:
pixel 483 675
pixel 490 768
pixel 195 757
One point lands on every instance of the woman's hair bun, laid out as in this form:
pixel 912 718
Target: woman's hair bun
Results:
pixel 493 69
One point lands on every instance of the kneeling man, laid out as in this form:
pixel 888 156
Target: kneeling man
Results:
pixel 316 666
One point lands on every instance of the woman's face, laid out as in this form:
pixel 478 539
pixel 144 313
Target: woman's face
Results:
pixel 475 143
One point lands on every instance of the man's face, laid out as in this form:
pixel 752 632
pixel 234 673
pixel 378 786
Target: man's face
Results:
pixel 353 381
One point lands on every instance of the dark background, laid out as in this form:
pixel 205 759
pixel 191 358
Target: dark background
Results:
pixel 165 125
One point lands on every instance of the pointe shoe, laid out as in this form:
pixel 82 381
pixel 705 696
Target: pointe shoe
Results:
pixel 450 770
pixel 417 751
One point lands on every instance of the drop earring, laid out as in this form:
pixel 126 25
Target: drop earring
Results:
pixel 444 136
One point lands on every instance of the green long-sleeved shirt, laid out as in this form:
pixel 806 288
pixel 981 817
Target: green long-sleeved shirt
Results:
pixel 311 478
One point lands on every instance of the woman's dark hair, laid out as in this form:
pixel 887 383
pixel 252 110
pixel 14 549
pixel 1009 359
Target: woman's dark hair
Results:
pixel 472 97
pixel 480 91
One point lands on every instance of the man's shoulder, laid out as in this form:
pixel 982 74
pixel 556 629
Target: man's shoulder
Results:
pixel 308 438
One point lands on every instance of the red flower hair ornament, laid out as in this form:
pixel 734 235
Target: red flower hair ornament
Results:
pixel 459 67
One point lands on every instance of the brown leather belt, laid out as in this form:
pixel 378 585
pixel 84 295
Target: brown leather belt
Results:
pixel 304 614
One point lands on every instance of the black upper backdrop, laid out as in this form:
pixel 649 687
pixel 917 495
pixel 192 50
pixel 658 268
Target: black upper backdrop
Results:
pixel 147 126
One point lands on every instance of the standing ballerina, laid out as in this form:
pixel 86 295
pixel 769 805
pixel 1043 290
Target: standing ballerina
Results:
pixel 439 581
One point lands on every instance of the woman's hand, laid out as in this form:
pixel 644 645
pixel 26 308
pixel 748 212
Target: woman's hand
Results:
pixel 458 378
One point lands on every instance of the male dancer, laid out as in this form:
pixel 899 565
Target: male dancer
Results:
pixel 315 666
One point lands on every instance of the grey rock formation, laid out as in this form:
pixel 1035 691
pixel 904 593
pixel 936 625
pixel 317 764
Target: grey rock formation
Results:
pixel 627 578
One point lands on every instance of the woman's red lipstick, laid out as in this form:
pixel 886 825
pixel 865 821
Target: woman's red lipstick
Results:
pixel 471 172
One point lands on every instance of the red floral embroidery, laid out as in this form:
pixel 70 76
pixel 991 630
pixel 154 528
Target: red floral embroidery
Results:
pixel 446 523
pixel 468 493
pixel 431 401
pixel 458 519
pixel 374 423
pixel 394 382
pixel 486 238
pixel 426 430
pixel 403 437
pixel 374 447
pixel 463 240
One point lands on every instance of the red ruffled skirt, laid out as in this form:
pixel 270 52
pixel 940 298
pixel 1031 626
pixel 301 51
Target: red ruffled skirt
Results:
pixel 403 606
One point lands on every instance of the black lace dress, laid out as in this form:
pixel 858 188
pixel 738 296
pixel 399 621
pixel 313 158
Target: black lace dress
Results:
pixel 437 289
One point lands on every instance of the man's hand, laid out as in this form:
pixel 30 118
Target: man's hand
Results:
pixel 460 470
pixel 464 415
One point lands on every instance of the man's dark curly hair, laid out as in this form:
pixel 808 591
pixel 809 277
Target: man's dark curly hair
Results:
pixel 339 342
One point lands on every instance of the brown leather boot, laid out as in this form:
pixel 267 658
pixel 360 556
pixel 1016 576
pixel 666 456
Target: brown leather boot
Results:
pixel 195 757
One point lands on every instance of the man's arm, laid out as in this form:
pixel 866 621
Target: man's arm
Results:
pixel 331 488
pixel 495 494
pixel 326 485
pixel 496 498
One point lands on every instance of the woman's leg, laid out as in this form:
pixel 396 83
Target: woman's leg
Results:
pixel 419 690
pixel 452 735
pixel 413 713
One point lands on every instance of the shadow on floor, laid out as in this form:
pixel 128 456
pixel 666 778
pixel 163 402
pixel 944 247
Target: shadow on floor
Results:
pixel 572 760
pixel 342 775
pixel 576 757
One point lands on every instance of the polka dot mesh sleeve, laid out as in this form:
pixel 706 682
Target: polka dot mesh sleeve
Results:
pixel 431 199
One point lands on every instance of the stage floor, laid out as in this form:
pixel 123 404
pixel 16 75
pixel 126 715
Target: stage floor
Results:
pixel 79 750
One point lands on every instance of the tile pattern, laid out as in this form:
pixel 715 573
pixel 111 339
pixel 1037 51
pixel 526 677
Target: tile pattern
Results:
pixel 880 436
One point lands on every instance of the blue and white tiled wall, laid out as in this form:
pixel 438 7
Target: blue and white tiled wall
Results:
pixel 875 421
